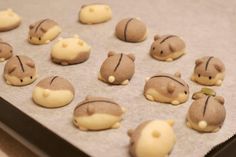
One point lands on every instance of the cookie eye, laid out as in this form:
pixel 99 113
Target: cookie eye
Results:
pixel 185 92
pixel 21 80
pixel 210 77
pixel 161 52
pixel 10 51
pixel 30 38
pixel 199 75
pixel 31 77
pixel 39 38
pixel 153 48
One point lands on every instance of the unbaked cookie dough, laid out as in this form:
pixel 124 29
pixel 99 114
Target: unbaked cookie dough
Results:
pixel 95 13
pixel 166 88
pixel 70 51
pixel 9 20
pixel 167 47
pixel 154 138
pixel 53 92
pixel 117 69
pixel 20 70
pixel 131 30
pixel 97 113
pixel 209 71
pixel 43 31
pixel 206 114
pixel 6 51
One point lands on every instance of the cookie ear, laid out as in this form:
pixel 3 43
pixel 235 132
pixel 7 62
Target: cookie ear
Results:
pixel 110 53
pixel 130 132
pixel 30 64
pixel 31 26
pixel 218 67
pixel 90 109
pixel 11 69
pixel 131 56
pixel 198 62
pixel 156 37
pixel 198 95
pixel 156 134
pixel 220 99
pixel 88 97
pixel 171 122
pixel 177 74
pixel 171 87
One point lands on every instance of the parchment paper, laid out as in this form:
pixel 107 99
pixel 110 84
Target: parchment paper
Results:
pixel 208 28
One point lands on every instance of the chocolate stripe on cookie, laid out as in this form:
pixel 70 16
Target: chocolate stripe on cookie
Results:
pixel 126 26
pixel 207 63
pixel 40 25
pixel 53 79
pixel 4 43
pixel 93 101
pixel 169 78
pixel 21 65
pixel 121 55
pixel 168 37
pixel 206 103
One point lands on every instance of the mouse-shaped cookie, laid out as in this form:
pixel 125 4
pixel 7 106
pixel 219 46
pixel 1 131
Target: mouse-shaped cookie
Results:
pixel 95 13
pixel 97 113
pixel 9 20
pixel 155 138
pixel 20 70
pixel 209 71
pixel 166 88
pixel 131 30
pixel 206 114
pixel 69 51
pixel 6 51
pixel 118 68
pixel 53 92
pixel 43 31
pixel 167 47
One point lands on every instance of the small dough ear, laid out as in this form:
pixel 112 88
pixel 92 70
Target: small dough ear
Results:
pixel 198 95
pixel 218 67
pixel 90 109
pixel 130 132
pixel 220 99
pixel 131 56
pixel 111 53
pixel 178 74
pixel 11 69
pixel 171 122
pixel 156 37
pixel 171 87
pixel 156 133
pixel 88 97
pixel 30 64
pixel 31 26
pixel 198 62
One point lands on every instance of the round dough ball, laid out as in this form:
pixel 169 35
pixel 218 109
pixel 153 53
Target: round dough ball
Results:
pixel 9 20
pixel 53 92
pixel 70 51
pixel 131 30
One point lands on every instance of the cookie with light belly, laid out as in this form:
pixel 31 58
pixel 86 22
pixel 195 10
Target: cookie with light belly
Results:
pixel 97 113
pixel 9 20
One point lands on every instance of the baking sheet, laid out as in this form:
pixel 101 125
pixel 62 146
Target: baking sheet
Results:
pixel 208 28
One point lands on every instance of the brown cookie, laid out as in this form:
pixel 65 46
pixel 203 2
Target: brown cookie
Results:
pixel 167 47
pixel 6 51
pixel 20 70
pixel 166 88
pixel 118 68
pixel 97 113
pixel 43 31
pixel 206 114
pixel 131 30
pixel 53 92
pixel 209 71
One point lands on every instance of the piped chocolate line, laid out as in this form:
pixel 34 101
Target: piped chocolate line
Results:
pixel 126 27
pixel 169 78
pixel 205 106
pixel 168 37
pixel 4 43
pixel 121 56
pixel 93 101
pixel 208 61
pixel 39 25
pixel 21 65
pixel 53 79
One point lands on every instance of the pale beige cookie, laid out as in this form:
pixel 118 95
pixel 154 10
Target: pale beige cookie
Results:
pixel 206 114
pixel 53 92
pixel 167 47
pixel 70 51
pixel 9 20
pixel 6 51
pixel 117 69
pixel 166 88
pixel 95 13
pixel 43 31
pixel 131 30
pixel 209 71
pixel 154 138
pixel 97 113
pixel 20 71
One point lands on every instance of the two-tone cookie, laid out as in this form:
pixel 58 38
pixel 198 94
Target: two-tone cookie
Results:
pixel 9 20
pixel 6 51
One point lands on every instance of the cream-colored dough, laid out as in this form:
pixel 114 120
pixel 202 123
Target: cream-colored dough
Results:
pixel 13 80
pixel 205 80
pixel 9 20
pixel 52 98
pixel 95 13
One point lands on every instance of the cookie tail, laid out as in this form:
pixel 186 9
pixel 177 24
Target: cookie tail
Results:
pixel 202 124
pixel 111 79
